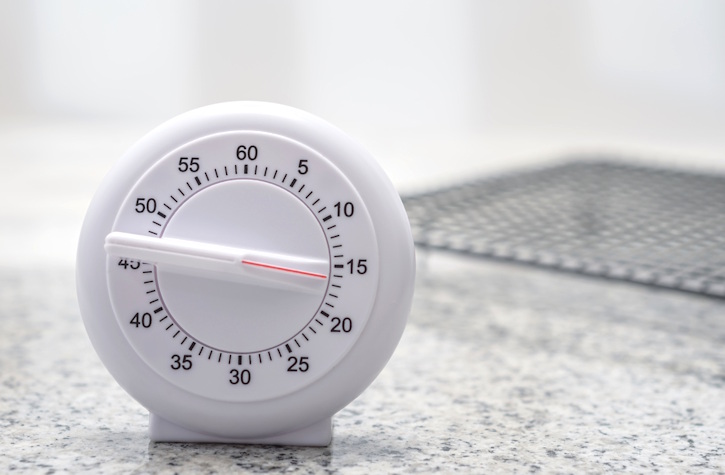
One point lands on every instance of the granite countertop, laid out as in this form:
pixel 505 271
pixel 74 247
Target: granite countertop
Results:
pixel 501 369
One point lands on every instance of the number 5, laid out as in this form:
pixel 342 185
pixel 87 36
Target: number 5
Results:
pixel 302 167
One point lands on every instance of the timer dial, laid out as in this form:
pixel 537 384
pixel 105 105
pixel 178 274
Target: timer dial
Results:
pixel 258 271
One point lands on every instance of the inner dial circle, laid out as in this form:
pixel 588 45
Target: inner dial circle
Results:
pixel 246 317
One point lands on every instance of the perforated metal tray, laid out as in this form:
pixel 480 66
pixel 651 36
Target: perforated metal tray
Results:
pixel 642 224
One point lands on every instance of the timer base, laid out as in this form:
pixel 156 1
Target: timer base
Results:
pixel 316 435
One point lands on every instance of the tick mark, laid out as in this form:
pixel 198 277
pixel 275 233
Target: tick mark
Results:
pixel 293 182
pixel 289 350
pixel 187 184
pixel 193 344
pixel 158 310
pixel 246 168
pixel 165 317
pixel 170 325
pixel 161 214
pixel 325 314
pixel 182 193
pixel 198 181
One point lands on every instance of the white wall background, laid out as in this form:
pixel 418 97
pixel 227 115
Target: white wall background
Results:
pixel 653 69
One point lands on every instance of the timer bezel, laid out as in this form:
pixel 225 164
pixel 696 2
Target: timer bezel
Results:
pixel 309 200
pixel 332 391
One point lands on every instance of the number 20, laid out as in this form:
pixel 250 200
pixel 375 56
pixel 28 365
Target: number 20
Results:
pixel 341 324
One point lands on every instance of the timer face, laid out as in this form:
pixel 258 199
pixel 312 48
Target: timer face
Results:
pixel 272 270
pixel 245 271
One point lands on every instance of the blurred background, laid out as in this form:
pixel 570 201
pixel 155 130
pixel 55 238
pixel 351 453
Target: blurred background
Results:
pixel 437 90
pixel 502 368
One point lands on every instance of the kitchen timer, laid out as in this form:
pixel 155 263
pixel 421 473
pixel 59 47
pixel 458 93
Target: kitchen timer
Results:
pixel 244 272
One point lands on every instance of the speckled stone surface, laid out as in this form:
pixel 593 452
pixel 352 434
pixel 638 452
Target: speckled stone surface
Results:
pixel 501 369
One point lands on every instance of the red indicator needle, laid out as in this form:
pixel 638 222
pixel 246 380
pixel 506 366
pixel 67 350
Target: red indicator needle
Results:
pixel 284 269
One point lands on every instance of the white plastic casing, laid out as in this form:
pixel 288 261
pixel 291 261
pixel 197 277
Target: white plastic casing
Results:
pixel 187 409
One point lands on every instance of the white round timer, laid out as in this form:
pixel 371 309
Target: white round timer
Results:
pixel 244 272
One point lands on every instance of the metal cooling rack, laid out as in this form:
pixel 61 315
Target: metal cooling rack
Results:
pixel 653 226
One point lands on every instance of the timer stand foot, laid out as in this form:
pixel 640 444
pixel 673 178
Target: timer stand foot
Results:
pixel 317 435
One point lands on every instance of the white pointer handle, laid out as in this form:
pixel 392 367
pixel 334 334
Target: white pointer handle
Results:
pixel 222 262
